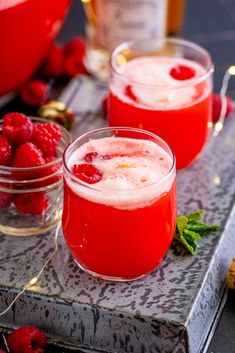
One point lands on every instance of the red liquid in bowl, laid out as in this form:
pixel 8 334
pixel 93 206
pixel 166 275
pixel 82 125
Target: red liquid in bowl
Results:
pixel 27 28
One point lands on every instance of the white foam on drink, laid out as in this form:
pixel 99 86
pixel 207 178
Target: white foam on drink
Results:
pixel 134 176
pixel 168 92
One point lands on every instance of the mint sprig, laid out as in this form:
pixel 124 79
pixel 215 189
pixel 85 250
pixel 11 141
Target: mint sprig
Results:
pixel 190 228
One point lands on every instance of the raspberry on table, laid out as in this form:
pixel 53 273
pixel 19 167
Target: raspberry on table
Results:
pixel 54 64
pixel 27 339
pixel 87 172
pixel 31 203
pixel 17 127
pixel 46 138
pixel 74 65
pixel 217 106
pixel 5 151
pixel 75 45
pixel 34 92
pixel 181 72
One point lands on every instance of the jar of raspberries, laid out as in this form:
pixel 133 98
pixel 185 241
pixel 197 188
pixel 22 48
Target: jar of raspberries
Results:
pixel 30 174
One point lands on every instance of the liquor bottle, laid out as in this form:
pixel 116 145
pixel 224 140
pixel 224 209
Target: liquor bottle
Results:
pixel 175 16
pixel 110 22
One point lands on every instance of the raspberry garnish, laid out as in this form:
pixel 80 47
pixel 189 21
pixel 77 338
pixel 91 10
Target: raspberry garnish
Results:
pixel 5 199
pixel 5 151
pixel 27 155
pixel 181 72
pixel 90 156
pixel 46 137
pixel 129 93
pixel 34 92
pixel 31 203
pixel 87 172
pixel 17 127
pixel 54 65
pixel 27 339
pixel 217 105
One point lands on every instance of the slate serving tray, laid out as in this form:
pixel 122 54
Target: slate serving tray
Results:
pixel 170 311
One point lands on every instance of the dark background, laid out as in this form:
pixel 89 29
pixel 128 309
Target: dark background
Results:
pixel 210 23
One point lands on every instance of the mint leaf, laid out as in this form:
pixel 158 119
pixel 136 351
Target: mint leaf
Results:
pixel 195 216
pixel 189 230
pixel 181 224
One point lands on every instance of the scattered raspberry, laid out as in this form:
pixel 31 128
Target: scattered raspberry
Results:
pixel 27 339
pixel 217 105
pixel 87 172
pixel 76 45
pixel 17 127
pixel 181 72
pixel 54 65
pixel 5 200
pixel 31 203
pixel 46 137
pixel 74 65
pixel 50 170
pixel 34 92
pixel 5 151
pixel 27 155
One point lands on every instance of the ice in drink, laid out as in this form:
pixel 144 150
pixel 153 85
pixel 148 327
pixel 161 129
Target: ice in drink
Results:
pixel 119 217
pixel 168 95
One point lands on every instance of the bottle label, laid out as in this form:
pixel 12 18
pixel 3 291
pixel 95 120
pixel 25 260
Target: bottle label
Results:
pixel 123 20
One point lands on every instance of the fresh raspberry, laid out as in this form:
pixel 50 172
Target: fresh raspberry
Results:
pixel 5 199
pixel 46 137
pixel 54 65
pixel 17 127
pixel 87 172
pixel 31 203
pixel 75 45
pixel 217 105
pixel 50 170
pixel 27 339
pixel 54 130
pixel 74 65
pixel 27 155
pixel 34 92
pixel 5 151
pixel 181 72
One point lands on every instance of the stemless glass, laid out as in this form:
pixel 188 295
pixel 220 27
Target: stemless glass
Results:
pixel 157 99
pixel 114 233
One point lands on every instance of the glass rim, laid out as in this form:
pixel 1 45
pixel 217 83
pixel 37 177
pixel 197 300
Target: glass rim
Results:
pixel 183 42
pixel 120 128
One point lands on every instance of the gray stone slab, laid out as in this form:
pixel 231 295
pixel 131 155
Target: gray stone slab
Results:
pixel 169 311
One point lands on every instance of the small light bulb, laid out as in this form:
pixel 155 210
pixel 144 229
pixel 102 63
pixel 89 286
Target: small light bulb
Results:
pixel 231 70
pixel 33 281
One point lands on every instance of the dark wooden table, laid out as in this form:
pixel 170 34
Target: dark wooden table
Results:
pixel 210 23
